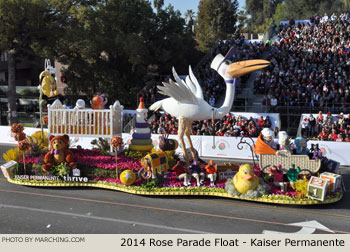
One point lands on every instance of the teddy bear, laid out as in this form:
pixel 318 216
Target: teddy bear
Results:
pixel 58 153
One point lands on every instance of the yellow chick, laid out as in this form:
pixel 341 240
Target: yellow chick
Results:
pixel 245 179
pixel 48 84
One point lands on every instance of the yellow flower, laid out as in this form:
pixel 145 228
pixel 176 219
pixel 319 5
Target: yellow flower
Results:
pixel 36 139
pixel 12 154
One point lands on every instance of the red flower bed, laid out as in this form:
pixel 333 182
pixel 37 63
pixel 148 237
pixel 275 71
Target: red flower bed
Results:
pixel 94 158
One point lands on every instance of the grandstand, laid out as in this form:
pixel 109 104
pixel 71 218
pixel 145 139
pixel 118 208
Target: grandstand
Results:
pixel 309 68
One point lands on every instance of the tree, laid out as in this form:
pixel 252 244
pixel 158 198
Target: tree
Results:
pixel 109 46
pixel 189 17
pixel 158 4
pixel 260 12
pixel 216 20
pixel 304 9
pixel 242 21
pixel 24 25
pixel 279 14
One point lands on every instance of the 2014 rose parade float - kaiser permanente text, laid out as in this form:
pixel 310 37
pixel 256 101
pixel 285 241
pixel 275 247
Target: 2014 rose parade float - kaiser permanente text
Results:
pixel 221 242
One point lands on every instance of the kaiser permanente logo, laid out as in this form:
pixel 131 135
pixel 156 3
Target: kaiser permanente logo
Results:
pixel 222 145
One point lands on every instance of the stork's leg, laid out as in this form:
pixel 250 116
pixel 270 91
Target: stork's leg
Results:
pixel 188 136
pixel 181 133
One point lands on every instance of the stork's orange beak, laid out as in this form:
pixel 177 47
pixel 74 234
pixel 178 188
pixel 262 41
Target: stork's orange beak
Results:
pixel 240 68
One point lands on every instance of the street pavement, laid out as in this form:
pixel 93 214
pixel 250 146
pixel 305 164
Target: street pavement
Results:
pixel 89 211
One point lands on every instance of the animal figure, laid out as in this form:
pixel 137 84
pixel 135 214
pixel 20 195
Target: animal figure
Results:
pixel 186 100
pixel 99 101
pixel 245 179
pixel 48 84
pixel 157 161
pixel 58 153
pixel 166 144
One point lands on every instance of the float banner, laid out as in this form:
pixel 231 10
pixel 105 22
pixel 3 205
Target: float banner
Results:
pixel 226 147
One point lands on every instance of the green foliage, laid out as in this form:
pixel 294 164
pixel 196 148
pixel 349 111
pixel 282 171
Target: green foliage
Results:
pixel 279 14
pixel 260 12
pixel 172 158
pixel 29 92
pixel 101 144
pixel 135 154
pixel 109 45
pixel 102 173
pixel 61 170
pixel 150 186
pixel 216 20
pixel 304 9
pixel 37 170
pixel 106 46
pixel 23 25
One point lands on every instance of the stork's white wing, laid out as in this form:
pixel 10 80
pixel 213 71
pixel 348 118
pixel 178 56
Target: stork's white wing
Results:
pixel 178 90
pixel 194 81
pixel 192 88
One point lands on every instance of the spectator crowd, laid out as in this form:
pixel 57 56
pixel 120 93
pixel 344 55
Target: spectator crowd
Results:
pixel 327 127
pixel 310 66
pixel 228 126
pixel 212 84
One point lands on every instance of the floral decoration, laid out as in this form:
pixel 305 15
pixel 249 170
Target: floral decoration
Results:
pixel 117 142
pixel 23 145
pixel 20 136
pixel 16 128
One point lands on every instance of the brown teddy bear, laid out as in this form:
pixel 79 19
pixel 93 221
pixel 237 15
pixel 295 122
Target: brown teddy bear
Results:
pixel 58 153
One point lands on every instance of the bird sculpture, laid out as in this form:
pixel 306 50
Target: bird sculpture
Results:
pixel 245 179
pixel 186 101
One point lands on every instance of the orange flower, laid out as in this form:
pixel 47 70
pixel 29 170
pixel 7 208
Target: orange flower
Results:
pixel 117 142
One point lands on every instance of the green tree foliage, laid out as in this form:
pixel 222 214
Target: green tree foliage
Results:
pixel 190 20
pixel 243 22
pixel 158 4
pixel 216 20
pixel 108 46
pixel 301 9
pixel 260 12
pixel 26 27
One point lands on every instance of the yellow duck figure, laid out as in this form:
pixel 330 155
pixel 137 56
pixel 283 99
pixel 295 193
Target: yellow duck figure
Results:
pixel 245 179
pixel 48 84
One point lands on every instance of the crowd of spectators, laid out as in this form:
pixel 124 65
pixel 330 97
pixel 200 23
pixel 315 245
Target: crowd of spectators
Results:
pixel 310 66
pixel 327 127
pixel 227 126
pixel 212 84
pixel 213 87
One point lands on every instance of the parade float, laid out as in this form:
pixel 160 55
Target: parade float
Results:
pixel 281 176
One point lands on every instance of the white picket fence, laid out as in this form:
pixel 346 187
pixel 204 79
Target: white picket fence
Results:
pixel 105 123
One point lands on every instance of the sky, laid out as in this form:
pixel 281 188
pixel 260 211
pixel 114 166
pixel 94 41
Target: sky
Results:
pixel 184 5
